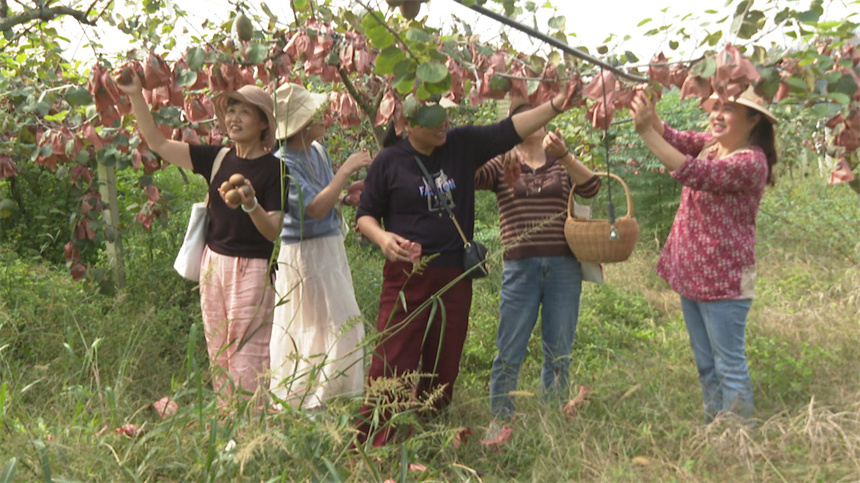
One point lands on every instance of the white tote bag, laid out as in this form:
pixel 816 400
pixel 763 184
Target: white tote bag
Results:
pixel 187 262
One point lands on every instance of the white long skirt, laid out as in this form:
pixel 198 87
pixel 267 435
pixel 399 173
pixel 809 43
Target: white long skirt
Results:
pixel 317 325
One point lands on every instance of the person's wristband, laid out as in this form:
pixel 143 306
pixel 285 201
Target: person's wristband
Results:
pixel 552 105
pixel 247 210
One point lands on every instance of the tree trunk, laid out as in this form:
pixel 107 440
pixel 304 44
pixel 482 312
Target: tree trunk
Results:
pixel 113 239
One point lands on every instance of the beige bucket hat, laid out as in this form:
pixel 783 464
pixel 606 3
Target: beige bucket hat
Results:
pixel 296 108
pixel 749 99
pixel 252 95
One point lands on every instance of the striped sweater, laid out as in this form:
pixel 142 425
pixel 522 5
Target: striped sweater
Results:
pixel 532 212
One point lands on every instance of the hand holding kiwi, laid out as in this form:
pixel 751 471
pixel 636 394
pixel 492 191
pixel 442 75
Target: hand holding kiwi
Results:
pixel 237 191
pixel 129 80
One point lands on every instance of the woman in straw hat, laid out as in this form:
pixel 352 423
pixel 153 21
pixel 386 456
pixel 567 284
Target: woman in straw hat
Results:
pixel 709 257
pixel 532 183
pixel 236 295
pixel 317 327
pixel 406 217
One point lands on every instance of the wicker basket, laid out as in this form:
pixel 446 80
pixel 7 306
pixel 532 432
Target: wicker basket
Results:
pixel 589 239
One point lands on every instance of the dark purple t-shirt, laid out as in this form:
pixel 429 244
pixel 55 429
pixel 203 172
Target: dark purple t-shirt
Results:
pixel 395 192
pixel 232 232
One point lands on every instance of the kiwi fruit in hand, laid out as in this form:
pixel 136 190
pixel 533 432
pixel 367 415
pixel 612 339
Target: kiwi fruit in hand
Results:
pixel 233 197
pixel 237 179
pixel 125 75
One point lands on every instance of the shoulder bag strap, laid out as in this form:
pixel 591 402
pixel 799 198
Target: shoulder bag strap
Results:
pixel 439 196
pixel 215 167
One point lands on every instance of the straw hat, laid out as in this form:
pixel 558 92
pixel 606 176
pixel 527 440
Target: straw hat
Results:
pixel 252 95
pixel 296 108
pixel 749 99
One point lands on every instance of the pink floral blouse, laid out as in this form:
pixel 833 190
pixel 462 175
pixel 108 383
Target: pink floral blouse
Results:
pixel 710 252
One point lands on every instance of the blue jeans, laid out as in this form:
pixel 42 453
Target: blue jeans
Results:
pixel 717 337
pixel 553 285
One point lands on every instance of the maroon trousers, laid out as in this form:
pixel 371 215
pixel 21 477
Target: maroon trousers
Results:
pixel 410 342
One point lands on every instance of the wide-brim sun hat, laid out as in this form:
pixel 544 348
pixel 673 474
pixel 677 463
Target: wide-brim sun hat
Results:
pixel 297 107
pixel 749 99
pixel 252 95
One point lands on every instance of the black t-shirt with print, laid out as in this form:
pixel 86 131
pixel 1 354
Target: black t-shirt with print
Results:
pixel 232 232
pixel 395 192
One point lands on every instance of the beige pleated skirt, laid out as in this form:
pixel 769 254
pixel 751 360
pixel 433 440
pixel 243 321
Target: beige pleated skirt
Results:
pixel 314 348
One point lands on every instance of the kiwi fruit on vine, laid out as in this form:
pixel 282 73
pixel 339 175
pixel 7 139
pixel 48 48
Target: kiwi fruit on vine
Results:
pixel 233 197
pixel 410 9
pixel 410 107
pixel 237 179
pixel 395 3
pixel 243 27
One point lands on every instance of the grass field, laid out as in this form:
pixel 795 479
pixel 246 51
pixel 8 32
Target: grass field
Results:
pixel 76 365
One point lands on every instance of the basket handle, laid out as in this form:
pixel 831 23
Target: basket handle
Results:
pixel 571 214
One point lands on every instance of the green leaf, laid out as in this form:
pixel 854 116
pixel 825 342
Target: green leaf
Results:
pixel 79 96
pixel 810 16
pixel 432 116
pixel 438 87
pixel 706 68
pixel 713 38
pixel 42 108
pixel 602 49
pixel 839 98
pixel 752 24
pixel 432 72
pixel 797 83
pixel 380 37
pixel 824 110
pixel 643 22
pixel 500 83
pixel 405 67
pixel 268 12
pixel 631 57
pixel 558 22
pixel 415 34
pixel 58 117
pixel 195 57
pixel 8 473
pixel 186 77
pixel 845 85
pixel 387 59
pixel 673 44
pixel 405 84
pixel 257 53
